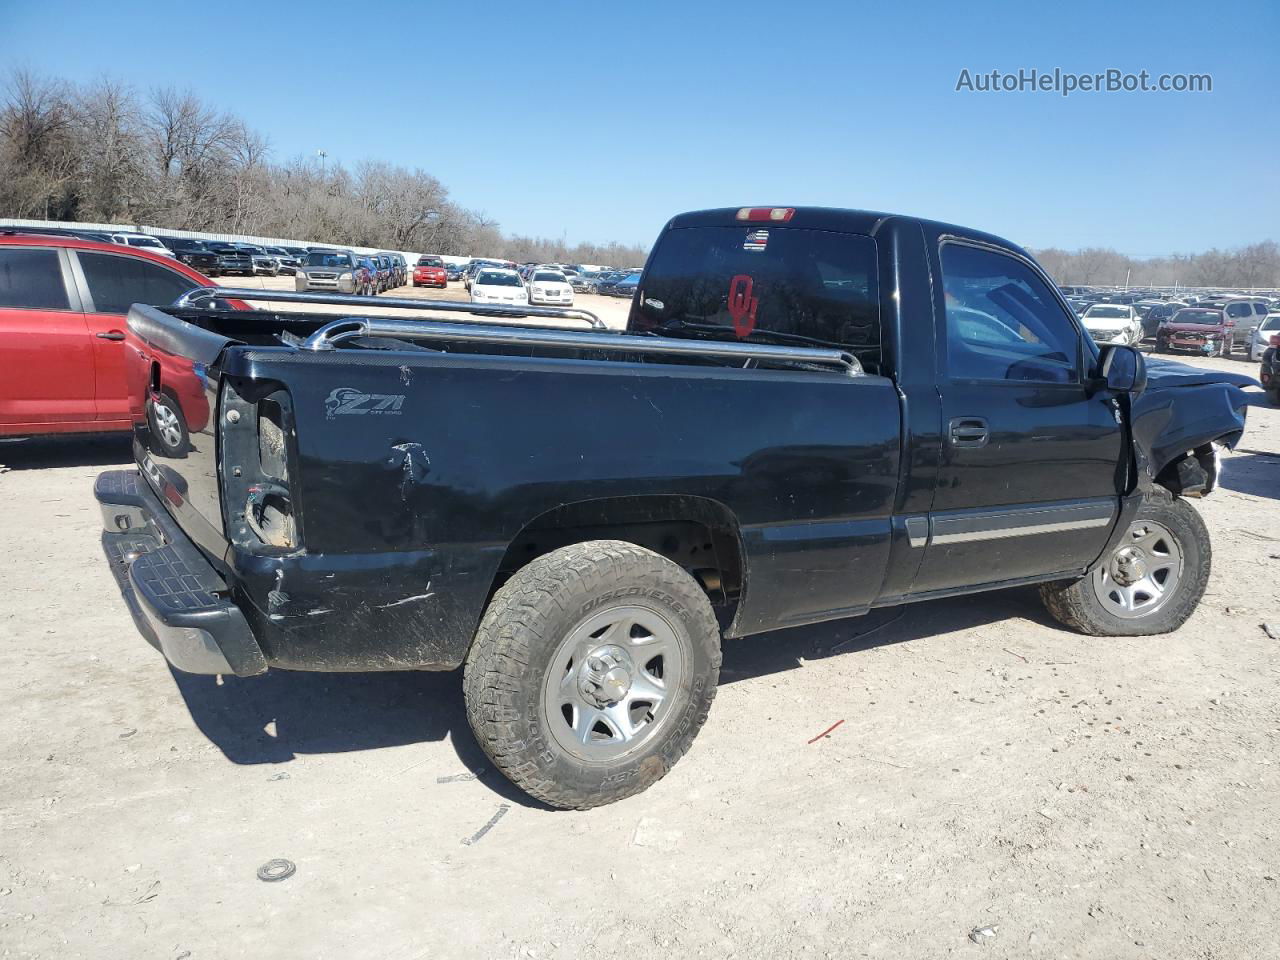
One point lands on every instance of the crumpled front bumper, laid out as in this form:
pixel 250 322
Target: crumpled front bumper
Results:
pixel 178 601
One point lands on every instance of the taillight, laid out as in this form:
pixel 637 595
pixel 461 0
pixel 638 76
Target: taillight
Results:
pixel 257 430
pixel 767 214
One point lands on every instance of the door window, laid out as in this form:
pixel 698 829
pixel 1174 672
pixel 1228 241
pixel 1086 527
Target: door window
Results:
pixel 1003 322
pixel 32 279
pixel 117 282
pixel 1238 310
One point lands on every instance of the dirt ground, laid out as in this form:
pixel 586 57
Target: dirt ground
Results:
pixel 1080 797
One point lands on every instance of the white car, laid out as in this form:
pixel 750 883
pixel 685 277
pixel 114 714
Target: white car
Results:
pixel 142 241
pixel 499 286
pixel 1113 323
pixel 1261 339
pixel 550 288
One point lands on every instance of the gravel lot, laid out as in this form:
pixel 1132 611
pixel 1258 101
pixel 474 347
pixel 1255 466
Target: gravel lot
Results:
pixel 1081 797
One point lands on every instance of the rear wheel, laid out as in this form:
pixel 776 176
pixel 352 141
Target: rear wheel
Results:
pixel 591 672
pixel 169 426
pixel 1274 394
pixel 1151 581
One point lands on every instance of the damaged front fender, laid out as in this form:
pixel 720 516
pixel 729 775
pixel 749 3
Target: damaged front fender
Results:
pixel 1177 421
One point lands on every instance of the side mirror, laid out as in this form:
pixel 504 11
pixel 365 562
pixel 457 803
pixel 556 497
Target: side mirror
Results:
pixel 1124 369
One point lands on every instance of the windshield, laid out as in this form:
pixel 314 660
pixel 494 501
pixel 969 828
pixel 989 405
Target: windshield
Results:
pixel 811 283
pixel 430 262
pixel 1271 323
pixel 328 260
pixel 548 276
pixel 1107 313
pixel 1210 317
pixel 491 278
pixel 144 242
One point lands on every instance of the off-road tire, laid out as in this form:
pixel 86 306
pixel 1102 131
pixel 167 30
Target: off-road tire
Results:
pixel 1075 604
pixel 523 627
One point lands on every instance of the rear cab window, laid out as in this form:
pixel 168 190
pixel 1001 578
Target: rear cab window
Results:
pixel 747 281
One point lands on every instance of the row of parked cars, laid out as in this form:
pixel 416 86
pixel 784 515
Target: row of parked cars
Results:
pixel 344 271
pixel 1211 324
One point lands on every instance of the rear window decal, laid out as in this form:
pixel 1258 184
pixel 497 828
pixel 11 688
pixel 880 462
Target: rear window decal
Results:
pixel 756 240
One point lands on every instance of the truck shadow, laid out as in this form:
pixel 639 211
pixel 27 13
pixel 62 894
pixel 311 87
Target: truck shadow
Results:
pixel 68 450
pixel 1256 472
pixel 282 714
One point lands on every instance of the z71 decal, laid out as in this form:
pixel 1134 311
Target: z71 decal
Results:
pixel 348 400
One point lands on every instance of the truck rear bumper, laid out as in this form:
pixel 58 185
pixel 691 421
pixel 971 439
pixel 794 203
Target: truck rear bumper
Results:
pixel 178 601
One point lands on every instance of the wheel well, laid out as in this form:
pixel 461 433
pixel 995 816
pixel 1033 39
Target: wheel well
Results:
pixel 700 535
pixel 1195 472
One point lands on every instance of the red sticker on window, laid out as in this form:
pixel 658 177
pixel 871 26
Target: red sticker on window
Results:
pixel 742 305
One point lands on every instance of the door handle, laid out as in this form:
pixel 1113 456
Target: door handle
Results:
pixel 110 335
pixel 969 432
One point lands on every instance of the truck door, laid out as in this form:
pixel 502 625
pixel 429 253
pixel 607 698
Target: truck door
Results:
pixel 1031 456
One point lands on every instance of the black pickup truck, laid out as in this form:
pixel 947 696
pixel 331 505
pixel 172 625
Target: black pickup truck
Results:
pixel 811 413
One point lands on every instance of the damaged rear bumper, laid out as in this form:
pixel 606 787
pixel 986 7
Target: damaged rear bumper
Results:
pixel 178 601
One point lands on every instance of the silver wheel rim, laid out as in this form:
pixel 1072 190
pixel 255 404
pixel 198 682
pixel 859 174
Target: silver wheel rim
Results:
pixel 167 424
pixel 612 683
pixel 1143 572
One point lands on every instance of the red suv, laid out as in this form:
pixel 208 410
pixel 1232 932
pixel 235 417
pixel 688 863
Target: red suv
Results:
pixel 63 302
pixel 430 272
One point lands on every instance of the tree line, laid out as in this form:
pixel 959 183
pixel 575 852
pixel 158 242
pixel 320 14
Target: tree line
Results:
pixel 102 152
pixel 1252 266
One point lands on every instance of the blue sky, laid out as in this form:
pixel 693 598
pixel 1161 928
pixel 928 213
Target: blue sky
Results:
pixel 599 122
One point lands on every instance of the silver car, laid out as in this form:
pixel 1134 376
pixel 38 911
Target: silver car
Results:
pixel 332 270
pixel 1261 339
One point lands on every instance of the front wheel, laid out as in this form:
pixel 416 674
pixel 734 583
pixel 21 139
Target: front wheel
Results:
pixel 591 672
pixel 1150 582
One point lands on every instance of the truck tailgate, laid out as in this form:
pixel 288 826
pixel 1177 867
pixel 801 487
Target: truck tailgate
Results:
pixel 173 402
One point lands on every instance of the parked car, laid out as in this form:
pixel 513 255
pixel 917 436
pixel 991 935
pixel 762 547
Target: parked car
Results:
pixel 1196 330
pixel 264 264
pixel 582 283
pixel 381 267
pixel 576 554
pixel 550 288
pixel 627 286
pixel 1113 323
pixel 1157 315
pixel 1269 372
pixel 606 282
pixel 333 270
pixel 1262 335
pixel 286 262
pixel 231 259
pixel 63 302
pixel 430 272
pixel 395 263
pixel 142 242
pixel 477 264
pixel 196 254
pixel 453 271
pixel 370 283
pixel 499 285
